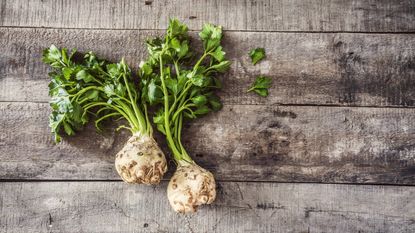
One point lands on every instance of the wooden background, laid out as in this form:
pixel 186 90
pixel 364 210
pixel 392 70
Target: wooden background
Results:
pixel 332 149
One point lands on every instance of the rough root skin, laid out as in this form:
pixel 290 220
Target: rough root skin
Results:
pixel 141 161
pixel 190 187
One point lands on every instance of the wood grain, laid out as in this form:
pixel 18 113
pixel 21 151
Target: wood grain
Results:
pixel 267 143
pixel 314 69
pixel 340 111
pixel 240 207
pixel 258 15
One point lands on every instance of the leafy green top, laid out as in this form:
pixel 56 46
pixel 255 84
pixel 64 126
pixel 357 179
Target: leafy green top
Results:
pixel 257 55
pixel 261 85
pixel 178 87
pixel 91 86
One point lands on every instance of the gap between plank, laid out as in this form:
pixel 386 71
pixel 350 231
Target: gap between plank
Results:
pixel 193 30
pixel 270 105
pixel 219 181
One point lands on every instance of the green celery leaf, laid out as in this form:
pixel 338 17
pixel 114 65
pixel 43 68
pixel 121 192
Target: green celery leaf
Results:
pixel 67 72
pixel 218 54
pixel 109 90
pixel 182 79
pixel 145 68
pixel 211 36
pixel 85 76
pixel 51 55
pixel 199 100
pixel 114 70
pixel 257 55
pixel 176 29
pixel 262 92
pixel 197 80
pixel 215 103
pixel 68 129
pixel 202 110
pixel 160 127
pixel 92 95
pixel 172 85
pixel 120 89
pixel 221 67
pixel 184 50
pixel 154 92
pixel 217 83
pixel 261 85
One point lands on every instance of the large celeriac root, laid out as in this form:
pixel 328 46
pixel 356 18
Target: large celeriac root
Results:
pixel 190 187
pixel 141 160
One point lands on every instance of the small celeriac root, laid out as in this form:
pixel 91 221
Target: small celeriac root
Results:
pixel 141 161
pixel 190 187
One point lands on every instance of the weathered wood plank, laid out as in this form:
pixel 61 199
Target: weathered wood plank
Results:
pixel 267 143
pixel 263 15
pixel 319 69
pixel 240 207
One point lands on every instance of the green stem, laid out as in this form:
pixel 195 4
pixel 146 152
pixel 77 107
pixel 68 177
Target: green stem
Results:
pixel 149 127
pixel 181 109
pixel 125 115
pixel 81 92
pixel 185 155
pixel 136 123
pixel 181 96
pixel 105 117
pixel 176 154
pixel 200 61
pixel 177 69
pixel 138 114
pixel 251 89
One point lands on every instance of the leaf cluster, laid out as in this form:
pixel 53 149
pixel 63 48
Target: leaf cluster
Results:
pixel 88 86
pixel 178 81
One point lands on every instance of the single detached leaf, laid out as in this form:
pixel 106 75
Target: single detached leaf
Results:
pixel 261 85
pixel 257 55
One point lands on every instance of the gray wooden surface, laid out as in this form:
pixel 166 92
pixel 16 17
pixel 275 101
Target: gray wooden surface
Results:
pixel 340 111
pixel 258 15
pixel 240 207
pixel 307 68
pixel 269 143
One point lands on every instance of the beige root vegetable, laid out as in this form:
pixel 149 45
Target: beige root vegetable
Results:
pixel 141 161
pixel 190 187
